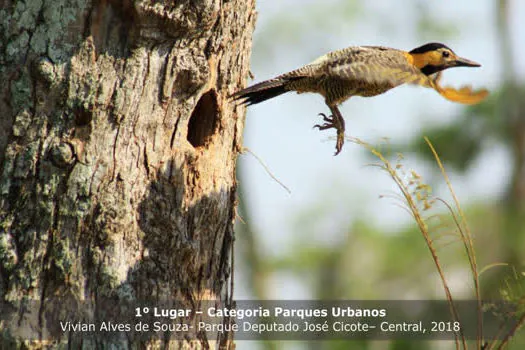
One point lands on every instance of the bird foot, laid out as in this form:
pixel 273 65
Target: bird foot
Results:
pixel 337 123
pixel 329 122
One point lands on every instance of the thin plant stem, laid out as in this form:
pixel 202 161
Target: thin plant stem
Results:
pixel 511 332
pixel 423 229
pixel 466 237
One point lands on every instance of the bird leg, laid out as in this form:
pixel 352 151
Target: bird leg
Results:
pixel 337 122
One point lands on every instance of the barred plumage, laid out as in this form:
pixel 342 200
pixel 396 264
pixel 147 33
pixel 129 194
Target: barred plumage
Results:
pixel 364 71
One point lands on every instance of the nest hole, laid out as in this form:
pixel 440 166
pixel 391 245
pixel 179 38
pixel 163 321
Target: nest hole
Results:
pixel 203 120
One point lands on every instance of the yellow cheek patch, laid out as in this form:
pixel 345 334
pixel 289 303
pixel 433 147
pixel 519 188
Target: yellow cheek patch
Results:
pixel 464 95
pixel 422 59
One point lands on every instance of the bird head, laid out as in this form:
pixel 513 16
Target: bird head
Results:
pixel 435 57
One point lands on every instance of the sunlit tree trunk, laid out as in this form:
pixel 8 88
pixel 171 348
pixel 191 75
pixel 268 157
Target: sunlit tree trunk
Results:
pixel 118 151
pixel 512 111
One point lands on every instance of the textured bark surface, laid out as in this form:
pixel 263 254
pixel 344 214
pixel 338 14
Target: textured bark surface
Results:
pixel 118 150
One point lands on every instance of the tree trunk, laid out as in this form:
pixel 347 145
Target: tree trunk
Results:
pixel 118 150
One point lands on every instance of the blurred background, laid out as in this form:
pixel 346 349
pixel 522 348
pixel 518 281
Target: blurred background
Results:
pixel 341 233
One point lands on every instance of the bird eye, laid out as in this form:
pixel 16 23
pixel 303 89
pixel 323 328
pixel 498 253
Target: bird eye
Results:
pixel 446 54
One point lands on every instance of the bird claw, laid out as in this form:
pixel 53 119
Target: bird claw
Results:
pixel 335 123
pixel 326 118
pixel 329 122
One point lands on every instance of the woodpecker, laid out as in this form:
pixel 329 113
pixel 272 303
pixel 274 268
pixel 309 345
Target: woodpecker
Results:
pixel 365 71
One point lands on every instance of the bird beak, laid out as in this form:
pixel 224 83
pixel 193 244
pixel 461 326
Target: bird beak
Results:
pixel 463 62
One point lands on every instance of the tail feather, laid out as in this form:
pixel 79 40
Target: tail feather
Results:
pixel 262 91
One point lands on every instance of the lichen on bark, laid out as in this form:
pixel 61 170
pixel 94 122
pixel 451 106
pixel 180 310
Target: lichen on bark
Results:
pixel 118 149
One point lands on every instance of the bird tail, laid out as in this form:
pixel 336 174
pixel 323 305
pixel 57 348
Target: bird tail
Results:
pixel 262 91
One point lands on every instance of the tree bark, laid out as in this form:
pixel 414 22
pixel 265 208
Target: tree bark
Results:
pixel 118 149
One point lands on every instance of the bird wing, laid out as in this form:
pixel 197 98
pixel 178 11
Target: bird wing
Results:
pixel 465 94
pixel 374 64
pixel 381 65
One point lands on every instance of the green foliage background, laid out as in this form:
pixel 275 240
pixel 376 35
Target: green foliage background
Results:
pixel 370 263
